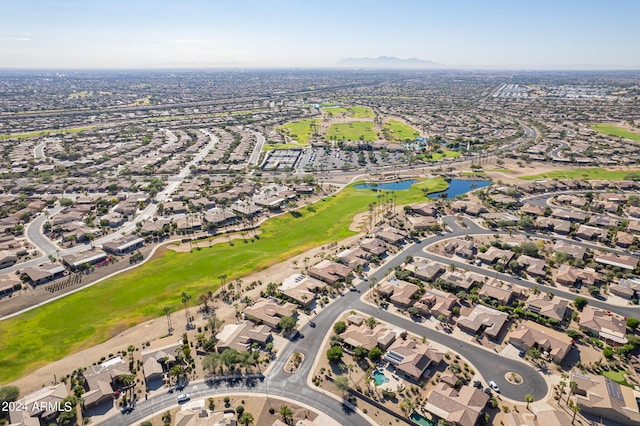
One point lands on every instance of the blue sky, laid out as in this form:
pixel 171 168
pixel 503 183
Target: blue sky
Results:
pixel 516 34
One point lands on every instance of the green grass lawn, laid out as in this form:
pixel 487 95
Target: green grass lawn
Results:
pixel 395 131
pixel 353 131
pixel 97 313
pixel 435 156
pixel 44 133
pixel 299 130
pixel 595 173
pixel 616 376
pixel 613 130
pixel 352 111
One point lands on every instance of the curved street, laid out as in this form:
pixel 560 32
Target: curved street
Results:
pixel 491 365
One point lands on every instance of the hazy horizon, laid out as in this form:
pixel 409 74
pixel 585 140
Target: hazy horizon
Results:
pixel 285 34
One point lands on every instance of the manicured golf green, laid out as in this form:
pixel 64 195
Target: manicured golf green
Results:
pixel 95 314
pixel 589 173
pixel 299 130
pixel 395 131
pixel 353 131
pixel 352 111
pixel 613 130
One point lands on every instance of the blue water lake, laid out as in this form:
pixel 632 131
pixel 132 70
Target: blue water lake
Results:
pixel 459 187
pixel 389 186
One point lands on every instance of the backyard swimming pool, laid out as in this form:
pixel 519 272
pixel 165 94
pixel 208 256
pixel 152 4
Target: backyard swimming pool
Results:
pixel 420 419
pixel 380 378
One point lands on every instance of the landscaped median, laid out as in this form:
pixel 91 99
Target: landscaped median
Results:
pixel 97 313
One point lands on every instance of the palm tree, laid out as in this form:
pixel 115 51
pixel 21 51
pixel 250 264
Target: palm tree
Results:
pixel 286 414
pixel 534 353
pixel 185 300
pixel 222 278
pixel 528 398
pixel 342 383
pixel 572 388
pixel 575 410
pixel 246 419
pixel 562 384
pixel 176 371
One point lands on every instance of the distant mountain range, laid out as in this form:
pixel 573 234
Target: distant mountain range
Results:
pixel 386 62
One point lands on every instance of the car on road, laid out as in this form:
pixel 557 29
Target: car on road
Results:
pixel 354 289
pixel 494 386
pixel 184 397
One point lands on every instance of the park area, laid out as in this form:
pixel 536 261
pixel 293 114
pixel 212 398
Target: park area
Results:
pixel 300 131
pixel 352 131
pixel 352 111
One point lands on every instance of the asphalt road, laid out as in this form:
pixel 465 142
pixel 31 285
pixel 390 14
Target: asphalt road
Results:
pixel 255 155
pixel 491 365
pixel 38 151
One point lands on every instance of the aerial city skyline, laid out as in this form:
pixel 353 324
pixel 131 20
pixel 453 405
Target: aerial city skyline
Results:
pixel 284 33
pixel 319 213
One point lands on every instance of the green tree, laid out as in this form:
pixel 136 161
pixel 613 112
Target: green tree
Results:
pixel 580 302
pixel 286 414
pixel 375 354
pixel 211 362
pixel 575 410
pixel 246 419
pixel 68 417
pixel 371 322
pixel 9 394
pixel 360 353
pixel 633 323
pixel 534 354
pixel 528 398
pixel 334 354
pixel 529 248
pixel 287 323
pixel 176 372
pixel 572 388
pixel 339 327
pixel 342 383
